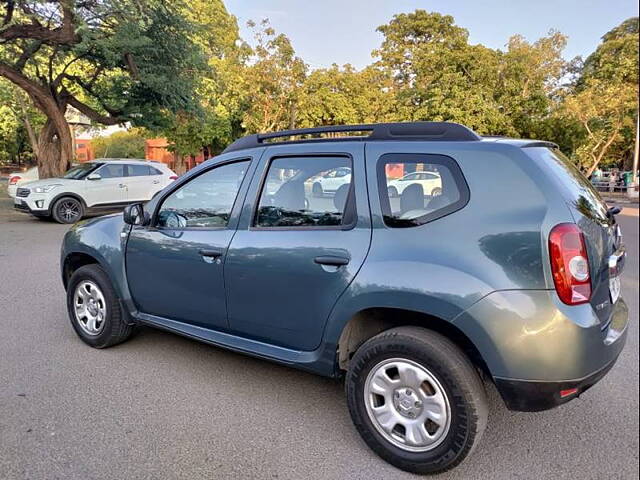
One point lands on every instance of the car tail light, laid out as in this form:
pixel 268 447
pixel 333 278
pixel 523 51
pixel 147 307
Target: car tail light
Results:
pixel 13 180
pixel 173 177
pixel 570 264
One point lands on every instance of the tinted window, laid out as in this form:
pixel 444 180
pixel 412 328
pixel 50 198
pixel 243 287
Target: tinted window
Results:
pixel 417 188
pixel 288 198
pixel 111 170
pixel 138 170
pixel 155 171
pixel 206 201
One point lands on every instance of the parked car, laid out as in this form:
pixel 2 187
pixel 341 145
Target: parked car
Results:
pixel 329 182
pixel 99 186
pixel 430 181
pixel 414 301
pixel 17 178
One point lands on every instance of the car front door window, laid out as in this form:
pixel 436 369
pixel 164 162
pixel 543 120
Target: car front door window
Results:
pixel 204 202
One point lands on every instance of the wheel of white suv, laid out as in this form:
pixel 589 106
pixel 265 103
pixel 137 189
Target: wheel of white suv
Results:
pixel 67 210
pixel 94 309
pixel 416 399
pixel 317 190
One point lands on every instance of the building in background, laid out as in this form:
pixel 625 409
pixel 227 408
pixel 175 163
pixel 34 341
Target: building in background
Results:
pixel 158 149
pixel 84 149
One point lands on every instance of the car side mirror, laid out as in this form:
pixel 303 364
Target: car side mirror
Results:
pixel 134 214
pixel 94 176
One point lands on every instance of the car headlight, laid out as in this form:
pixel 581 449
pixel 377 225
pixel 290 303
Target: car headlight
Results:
pixel 46 188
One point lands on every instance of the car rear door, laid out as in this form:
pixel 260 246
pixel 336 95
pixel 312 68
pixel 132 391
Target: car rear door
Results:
pixel 294 254
pixel 141 184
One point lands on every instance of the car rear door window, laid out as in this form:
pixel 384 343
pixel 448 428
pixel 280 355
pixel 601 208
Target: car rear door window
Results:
pixel 418 188
pixel 111 170
pixel 205 201
pixel 287 199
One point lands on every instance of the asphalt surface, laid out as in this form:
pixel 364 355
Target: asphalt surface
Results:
pixel 164 407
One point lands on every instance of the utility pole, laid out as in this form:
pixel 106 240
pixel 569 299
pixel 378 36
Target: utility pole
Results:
pixel 632 190
pixel 635 152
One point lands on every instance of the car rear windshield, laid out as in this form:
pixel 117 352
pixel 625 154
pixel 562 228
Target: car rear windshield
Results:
pixel 579 189
pixel 78 172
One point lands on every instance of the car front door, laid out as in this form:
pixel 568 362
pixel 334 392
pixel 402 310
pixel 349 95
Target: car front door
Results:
pixel 295 254
pixel 107 190
pixel 175 265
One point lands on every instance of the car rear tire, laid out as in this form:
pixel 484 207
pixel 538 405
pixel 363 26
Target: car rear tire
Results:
pixel 436 192
pixel 393 192
pixel 416 400
pixel 67 210
pixel 94 308
pixel 317 190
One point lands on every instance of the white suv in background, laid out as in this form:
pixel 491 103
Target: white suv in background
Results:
pixel 94 187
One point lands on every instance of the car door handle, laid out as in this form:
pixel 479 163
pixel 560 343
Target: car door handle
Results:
pixel 121 185
pixel 211 253
pixel 155 182
pixel 331 260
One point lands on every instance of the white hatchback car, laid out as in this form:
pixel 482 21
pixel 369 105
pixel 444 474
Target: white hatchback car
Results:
pixel 331 181
pixel 430 181
pixel 94 187
pixel 16 178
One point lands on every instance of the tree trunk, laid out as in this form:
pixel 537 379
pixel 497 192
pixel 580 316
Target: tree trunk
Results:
pixel 54 157
pixel 54 143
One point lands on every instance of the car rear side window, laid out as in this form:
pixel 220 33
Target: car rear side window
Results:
pixel 138 170
pixel 311 192
pixel 419 188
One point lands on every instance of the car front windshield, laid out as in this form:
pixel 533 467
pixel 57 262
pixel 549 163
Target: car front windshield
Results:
pixel 78 172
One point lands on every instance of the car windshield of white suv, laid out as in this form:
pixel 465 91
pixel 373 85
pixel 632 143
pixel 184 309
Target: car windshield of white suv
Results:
pixel 78 172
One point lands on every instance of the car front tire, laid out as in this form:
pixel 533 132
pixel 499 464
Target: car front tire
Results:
pixel 416 400
pixel 317 190
pixel 94 308
pixel 67 210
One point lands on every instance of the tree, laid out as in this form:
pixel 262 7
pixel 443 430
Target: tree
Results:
pixel 273 81
pixel 605 98
pixel 437 75
pixel 338 96
pixel 115 61
pixel 219 89
pixel 529 82
pixel 129 144
pixel 19 123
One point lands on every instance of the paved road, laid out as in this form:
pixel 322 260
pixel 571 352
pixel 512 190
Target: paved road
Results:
pixel 163 407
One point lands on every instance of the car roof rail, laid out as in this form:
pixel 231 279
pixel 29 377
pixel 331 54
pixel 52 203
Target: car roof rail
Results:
pixel 425 131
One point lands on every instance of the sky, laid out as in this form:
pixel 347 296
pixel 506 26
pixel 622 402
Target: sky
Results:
pixel 324 32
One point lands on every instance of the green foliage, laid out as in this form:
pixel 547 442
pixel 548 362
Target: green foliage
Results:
pixel 604 101
pixel 181 70
pixel 220 90
pixel 16 117
pixel 129 144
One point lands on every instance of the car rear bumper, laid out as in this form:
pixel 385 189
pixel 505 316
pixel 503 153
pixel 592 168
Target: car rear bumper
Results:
pixel 534 396
pixel 534 346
